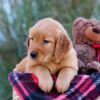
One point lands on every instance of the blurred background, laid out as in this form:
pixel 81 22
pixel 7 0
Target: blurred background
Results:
pixel 17 16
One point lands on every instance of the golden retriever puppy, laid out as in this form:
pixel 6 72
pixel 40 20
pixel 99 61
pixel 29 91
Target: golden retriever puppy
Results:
pixel 50 51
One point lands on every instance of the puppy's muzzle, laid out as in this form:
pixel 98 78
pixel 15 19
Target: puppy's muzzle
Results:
pixel 34 54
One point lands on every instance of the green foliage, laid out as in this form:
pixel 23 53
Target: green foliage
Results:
pixel 20 15
pixel 96 11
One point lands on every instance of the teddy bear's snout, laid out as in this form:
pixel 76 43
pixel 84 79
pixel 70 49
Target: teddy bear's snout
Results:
pixel 96 30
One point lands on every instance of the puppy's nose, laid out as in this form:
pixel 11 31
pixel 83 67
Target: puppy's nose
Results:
pixel 34 54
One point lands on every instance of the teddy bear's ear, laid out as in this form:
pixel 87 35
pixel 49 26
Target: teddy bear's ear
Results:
pixel 78 20
pixel 77 30
pixel 62 46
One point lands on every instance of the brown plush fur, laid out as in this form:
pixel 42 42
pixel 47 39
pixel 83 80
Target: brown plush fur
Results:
pixel 86 32
pixel 55 54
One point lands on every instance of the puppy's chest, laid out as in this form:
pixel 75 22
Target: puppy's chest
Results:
pixel 53 68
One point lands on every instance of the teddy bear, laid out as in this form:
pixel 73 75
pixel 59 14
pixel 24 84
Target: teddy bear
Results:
pixel 86 41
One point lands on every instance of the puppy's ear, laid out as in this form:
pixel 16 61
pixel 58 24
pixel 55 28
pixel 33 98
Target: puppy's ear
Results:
pixel 28 42
pixel 62 46
pixel 28 39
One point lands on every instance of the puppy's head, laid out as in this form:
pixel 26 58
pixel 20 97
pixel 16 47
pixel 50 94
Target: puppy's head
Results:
pixel 47 41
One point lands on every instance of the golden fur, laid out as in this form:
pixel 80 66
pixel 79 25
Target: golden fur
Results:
pixel 55 54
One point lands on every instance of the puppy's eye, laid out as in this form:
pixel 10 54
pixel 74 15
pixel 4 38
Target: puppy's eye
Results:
pixel 46 41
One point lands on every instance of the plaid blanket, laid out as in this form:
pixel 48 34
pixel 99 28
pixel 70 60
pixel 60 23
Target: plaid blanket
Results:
pixel 83 87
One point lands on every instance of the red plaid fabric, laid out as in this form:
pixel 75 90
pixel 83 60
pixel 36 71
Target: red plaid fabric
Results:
pixel 83 87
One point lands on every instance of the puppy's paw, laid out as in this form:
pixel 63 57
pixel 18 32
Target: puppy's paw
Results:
pixel 46 84
pixel 15 69
pixel 62 85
